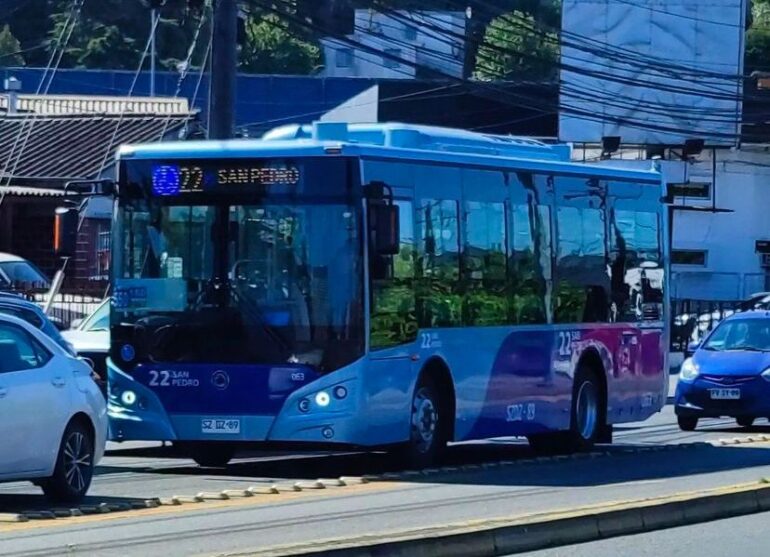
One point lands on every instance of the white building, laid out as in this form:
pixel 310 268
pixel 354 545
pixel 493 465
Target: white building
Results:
pixel 716 226
pixel 394 46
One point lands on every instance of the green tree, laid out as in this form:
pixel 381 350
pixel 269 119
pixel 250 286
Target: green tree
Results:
pixel 757 55
pixel 10 48
pixel 272 48
pixel 514 47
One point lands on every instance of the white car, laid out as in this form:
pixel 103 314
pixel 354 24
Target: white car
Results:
pixel 53 417
pixel 91 338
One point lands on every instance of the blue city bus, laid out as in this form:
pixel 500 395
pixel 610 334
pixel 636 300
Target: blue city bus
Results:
pixel 383 286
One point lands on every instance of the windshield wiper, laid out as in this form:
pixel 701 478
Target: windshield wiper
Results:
pixel 748 348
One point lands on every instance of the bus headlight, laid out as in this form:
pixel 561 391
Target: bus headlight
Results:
pixel 322 399
pixel 340 392
pixel 128 398
pixel 689 370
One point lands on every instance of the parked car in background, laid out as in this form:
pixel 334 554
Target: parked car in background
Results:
pixel 53 418
pixel 17 272
pixel 728 374
pixel 91 337
pixel 16 305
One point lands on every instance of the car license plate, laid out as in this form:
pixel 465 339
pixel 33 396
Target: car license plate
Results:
pixel 221 425
pixel 725 394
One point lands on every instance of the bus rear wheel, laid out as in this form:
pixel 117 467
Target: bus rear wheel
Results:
pixel 211 454
pixel 586 422
pixel 428 428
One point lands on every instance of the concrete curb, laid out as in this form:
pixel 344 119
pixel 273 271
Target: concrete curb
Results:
pixel 348 481
pixel 529 533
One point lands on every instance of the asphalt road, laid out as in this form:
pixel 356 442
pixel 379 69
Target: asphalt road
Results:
pixel 747 536
pixel 209 528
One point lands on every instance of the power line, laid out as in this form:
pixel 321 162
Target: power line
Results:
pixel 499 94
pixel 52 67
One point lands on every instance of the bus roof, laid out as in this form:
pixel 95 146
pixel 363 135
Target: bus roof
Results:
pixel 391 141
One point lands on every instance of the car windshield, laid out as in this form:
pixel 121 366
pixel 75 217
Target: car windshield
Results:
pixel 99 320
pixel 22 272
pixel 741 334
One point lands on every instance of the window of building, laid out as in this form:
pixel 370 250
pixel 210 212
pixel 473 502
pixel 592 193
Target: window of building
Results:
pixel 344 57
pixel 484 264
pixel 393 317
pixel 439 301
pixel 689 257
pixel 391 58
pixel 410 33
pixel 693 190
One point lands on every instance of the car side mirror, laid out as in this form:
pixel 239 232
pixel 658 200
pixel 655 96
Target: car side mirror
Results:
pixel 75 323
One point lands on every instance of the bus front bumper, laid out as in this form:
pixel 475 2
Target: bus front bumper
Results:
pixel 313 414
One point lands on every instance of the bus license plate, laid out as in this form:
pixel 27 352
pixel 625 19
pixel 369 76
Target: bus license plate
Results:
pixel 214 425
pixel 725 394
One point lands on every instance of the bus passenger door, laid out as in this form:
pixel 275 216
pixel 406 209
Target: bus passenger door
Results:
pixel 392 322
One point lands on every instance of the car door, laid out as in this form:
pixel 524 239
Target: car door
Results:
pixel 34 401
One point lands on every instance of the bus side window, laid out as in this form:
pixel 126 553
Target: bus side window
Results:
pixel 636 265
pixel 393 317
pixel 439 298
pixel 583 285
pixel 484 264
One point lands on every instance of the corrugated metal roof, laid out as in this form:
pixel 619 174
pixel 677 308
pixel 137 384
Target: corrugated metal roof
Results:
pixel 26 191
pixel 96 104
pixel 74 147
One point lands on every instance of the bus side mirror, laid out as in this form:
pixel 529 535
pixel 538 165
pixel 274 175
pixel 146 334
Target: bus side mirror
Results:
pixel 65 231
pixel 385 228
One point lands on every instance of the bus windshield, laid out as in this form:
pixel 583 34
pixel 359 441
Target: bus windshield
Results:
pixel 250 275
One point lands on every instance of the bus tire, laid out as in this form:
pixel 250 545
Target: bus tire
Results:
pixel 428 427
pixel 587 419
pixel 211 454
pixel 588 414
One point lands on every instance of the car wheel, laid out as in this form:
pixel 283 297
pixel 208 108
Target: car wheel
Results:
pixel 428 428
pixel 687 423
pixel 210 455
pixel 745 421
pixel 74 466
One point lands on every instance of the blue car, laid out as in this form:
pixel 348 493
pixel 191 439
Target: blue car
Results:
pixel 728 374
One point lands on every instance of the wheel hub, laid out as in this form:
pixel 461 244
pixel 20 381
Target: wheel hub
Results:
pixel 77 460
pixel 424 420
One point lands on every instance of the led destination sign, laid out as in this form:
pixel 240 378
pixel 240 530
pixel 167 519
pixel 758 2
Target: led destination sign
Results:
pixel 174 179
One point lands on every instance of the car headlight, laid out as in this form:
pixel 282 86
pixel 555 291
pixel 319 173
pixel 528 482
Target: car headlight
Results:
pixel 689 370
pixel 766 375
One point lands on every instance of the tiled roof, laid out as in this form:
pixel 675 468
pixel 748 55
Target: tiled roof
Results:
pixel 74 147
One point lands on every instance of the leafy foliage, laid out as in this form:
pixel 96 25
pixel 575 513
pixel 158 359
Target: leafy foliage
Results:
pixel 10 48
pixel 514 47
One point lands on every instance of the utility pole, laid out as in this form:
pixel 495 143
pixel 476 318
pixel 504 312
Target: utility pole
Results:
pixel 223 69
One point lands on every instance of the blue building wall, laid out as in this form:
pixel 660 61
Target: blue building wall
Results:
pixel 262 101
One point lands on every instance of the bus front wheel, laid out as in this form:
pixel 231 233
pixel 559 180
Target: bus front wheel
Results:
pixel 209 455
pixel 428 427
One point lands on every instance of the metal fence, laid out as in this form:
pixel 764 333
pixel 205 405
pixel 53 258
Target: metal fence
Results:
pixel 693 319
pixel 67 306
